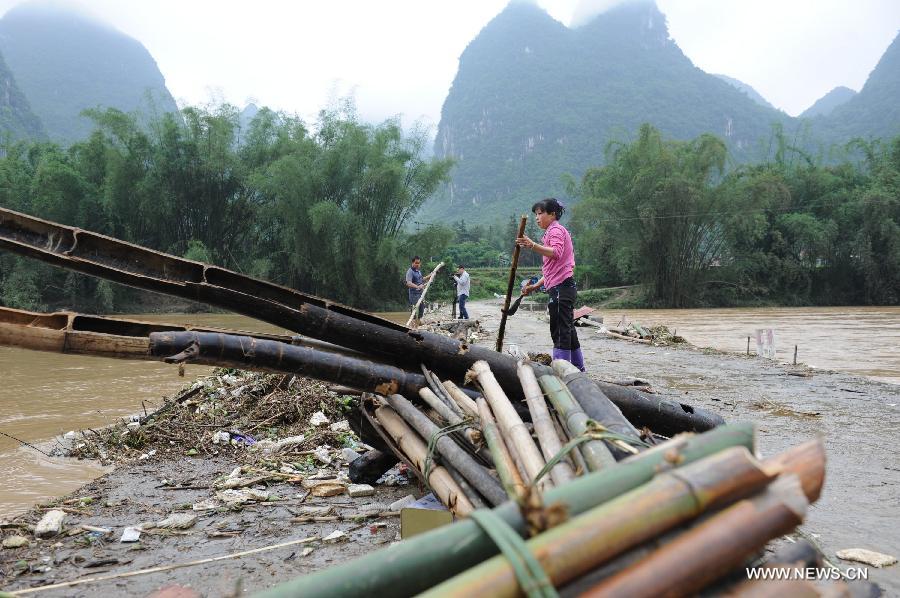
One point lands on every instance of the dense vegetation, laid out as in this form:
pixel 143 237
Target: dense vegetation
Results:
pixel 664 214
pixel 65 62
pixel 319 208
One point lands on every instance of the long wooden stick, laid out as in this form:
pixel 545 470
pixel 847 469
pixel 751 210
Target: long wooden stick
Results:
pixel 511 424
pixel 509 286
pixel 446 489
pixel 163 568
pixel 431 278
pixel 543 424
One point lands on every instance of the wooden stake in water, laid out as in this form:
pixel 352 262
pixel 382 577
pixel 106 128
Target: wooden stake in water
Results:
pixel 795 354
pixel 748 345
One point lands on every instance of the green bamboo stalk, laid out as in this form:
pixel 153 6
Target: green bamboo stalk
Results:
pixel 595 452
pixel 573 548
pixel 597 406
pixel 503 463
pixel 414 565
pixel 544 429
pixel 687 564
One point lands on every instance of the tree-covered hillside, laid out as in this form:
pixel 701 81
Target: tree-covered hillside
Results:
pixel 533 100
pixel 65 62
pixel 747 89
pixel 875 110
pixel 16 117
pixel 828 102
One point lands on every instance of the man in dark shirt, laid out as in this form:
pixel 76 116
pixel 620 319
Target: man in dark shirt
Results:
pixel 415 282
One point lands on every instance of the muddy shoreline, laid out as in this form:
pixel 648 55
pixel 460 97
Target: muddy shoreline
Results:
pixel 859 419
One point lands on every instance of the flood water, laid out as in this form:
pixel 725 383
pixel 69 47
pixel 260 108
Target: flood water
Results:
pixel 860 340
pixel 45 394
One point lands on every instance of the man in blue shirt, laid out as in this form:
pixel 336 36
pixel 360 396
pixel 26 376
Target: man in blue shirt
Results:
pixel 415 282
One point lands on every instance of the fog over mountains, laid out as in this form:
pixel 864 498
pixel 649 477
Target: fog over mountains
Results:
pixel 533 100
pixel 64 62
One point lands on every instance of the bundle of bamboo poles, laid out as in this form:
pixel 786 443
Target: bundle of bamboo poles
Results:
pixel 481 452
pixel 600 507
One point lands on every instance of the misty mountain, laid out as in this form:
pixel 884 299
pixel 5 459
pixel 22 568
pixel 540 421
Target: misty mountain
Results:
pixel 828 102
pixel 65 62
pixel 748 90
pixel 875 110
pixel 16 117
pixel 533 99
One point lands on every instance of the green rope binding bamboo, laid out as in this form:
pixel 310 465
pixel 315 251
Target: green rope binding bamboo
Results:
pixel 528 571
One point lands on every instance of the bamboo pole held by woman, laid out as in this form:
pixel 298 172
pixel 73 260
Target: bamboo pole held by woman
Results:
pixel 511 424
pixel 548 438
pixel 509 287
pixel 440 480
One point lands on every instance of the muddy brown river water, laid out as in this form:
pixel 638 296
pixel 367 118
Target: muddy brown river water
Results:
pixel 43 394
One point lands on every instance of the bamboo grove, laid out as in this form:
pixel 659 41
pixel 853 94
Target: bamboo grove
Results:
pixel 329 207
pixel 319 207
pixel 696 229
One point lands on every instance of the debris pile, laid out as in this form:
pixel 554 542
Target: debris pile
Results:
pixel 229 412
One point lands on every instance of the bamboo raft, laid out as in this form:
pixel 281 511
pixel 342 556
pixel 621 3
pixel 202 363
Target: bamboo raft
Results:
pixel 556 480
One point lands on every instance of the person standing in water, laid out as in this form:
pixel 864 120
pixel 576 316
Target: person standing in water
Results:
pixel 558 265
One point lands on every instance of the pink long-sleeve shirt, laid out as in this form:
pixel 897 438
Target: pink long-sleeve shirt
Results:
pixel 557 269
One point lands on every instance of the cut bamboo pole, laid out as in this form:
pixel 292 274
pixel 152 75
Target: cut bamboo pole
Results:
pixel 510 423
pixel 595 452
pixel 688 564
pixel 477 474
pixel 543 424
pixel 450 416
pixel 421 562
pixel 224 350
pixel 438 405
pixel 468 490
pixel 577 546
pixel 503 463
pixel 435 384
pixel 807 461
pixel 576 461
pixel 509 286
pixel 462 399
pixel 440 480
pixel 597 406
pixel 415 308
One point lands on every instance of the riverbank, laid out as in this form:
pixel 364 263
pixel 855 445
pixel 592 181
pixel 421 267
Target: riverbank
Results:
pixel 857 417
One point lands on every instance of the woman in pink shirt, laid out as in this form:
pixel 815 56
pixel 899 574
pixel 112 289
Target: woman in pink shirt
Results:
pixel 557 268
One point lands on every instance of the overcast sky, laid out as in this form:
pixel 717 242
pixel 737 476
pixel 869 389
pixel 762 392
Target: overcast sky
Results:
pixel 400 56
